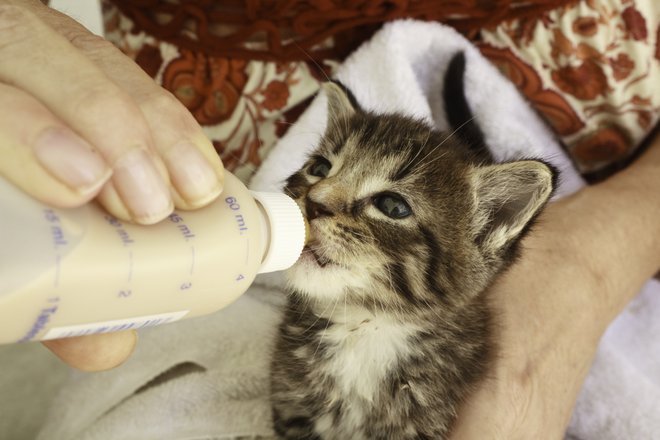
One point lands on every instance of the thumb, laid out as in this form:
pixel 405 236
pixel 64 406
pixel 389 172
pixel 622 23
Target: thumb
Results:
pixel 94 352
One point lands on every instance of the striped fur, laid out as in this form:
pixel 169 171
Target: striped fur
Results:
pixel 387 326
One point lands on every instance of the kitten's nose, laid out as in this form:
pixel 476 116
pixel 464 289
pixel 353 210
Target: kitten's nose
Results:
pixel 315 210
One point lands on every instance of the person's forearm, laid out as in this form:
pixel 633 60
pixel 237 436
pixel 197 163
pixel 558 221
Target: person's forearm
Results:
pixel 630 204
pixel 611 231
pixel 588 256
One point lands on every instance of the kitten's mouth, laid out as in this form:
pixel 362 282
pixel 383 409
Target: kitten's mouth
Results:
pixel 320 260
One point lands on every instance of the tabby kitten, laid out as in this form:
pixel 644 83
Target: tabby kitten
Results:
pixel 387 326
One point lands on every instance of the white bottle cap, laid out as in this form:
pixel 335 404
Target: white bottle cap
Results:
pixel 287 231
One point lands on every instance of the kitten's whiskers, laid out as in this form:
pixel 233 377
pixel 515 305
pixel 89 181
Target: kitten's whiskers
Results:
pixel 449 136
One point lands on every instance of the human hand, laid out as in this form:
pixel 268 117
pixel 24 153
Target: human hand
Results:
pixel 81 121
pixel 587 258
pixel 94 352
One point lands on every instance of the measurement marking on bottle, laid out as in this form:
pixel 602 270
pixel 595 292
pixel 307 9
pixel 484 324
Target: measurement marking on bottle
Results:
pixel 192 262
pixel 124 236
pixel 232 203
pixel 124 293
pixel 56 231
pixel 43 319
pixel 185 230
pixel 130 265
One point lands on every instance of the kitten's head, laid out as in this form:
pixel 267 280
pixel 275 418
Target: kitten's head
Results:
pixel 401 214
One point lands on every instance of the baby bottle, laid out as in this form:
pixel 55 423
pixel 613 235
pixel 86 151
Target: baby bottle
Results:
pixel 73 272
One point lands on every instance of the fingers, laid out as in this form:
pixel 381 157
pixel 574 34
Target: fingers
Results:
pixel 89 103
pixel 80 113
pixel 44 157
pixel 193 165
pixel 95 352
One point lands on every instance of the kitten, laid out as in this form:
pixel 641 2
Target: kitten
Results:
pixel 387 327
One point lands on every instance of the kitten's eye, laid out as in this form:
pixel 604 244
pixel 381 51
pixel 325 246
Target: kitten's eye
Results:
pixel 320 167
pixel 392 206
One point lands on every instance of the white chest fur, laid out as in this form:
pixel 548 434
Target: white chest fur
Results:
pixel 364 352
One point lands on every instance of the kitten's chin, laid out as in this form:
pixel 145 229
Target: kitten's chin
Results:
pixel 327 281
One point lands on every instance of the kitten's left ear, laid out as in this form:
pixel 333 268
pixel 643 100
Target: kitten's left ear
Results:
pixel 508 198
pixel 341 102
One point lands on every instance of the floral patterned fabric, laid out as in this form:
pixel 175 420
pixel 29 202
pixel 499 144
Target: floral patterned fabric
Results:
pixel 243 106
pixel 591 68
pixel 293 30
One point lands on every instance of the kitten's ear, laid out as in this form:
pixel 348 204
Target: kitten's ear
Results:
pixel 508 198
pixel 341 103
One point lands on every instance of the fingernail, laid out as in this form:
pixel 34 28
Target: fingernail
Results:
pixel 140 186
pixel 191 174
pixel 71 160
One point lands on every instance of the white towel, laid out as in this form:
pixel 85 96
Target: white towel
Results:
pixel 220 387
